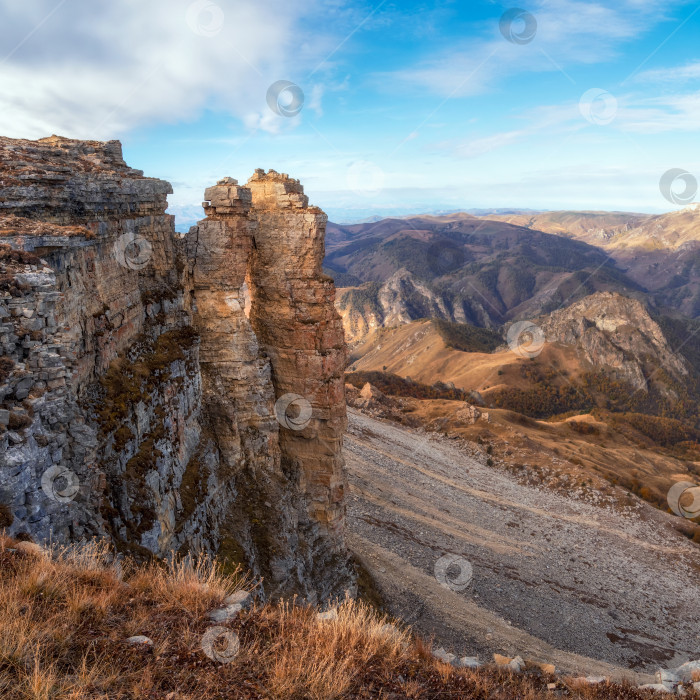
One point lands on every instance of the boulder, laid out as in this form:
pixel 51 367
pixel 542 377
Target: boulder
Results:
pixel 501 660
pixel 242 598
pixel 689 671
pixel 667 677
pixel 470 662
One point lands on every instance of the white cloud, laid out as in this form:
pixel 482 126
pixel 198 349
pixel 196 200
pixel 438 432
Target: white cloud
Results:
pixel 96 70
pixel 635 113
pixel 673 75
pixel 569 32
pixel 315 101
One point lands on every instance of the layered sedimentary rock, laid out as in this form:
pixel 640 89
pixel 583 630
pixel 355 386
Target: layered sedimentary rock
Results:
pixel 136 402
pixel 293 314
pixel 294 320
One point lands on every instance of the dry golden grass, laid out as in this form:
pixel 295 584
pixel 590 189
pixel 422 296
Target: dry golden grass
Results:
pixel 64 620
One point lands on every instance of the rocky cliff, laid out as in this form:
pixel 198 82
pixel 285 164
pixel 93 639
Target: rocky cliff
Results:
pixel 616 333
pixel 138 402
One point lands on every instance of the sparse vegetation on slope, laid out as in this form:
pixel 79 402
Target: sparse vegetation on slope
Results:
pixel 461 336
pixel 65 621
pixel 394 385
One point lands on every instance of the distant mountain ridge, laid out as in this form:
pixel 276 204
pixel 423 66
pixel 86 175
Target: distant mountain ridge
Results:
pixel 489 270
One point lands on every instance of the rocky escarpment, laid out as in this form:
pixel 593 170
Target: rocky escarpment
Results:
pixel 616 333
pixel 136 401
pixel 401 299
pixel 292 350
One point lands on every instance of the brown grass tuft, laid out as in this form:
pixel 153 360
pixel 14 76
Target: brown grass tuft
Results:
pixel 65 616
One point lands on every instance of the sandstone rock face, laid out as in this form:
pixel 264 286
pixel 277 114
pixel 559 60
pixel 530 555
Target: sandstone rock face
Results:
pixel 304 476
pixel 293 314
pixel 136 402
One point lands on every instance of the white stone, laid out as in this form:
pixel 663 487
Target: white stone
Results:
pixel 517 664
pixel 238 598
pixel 685 671
pixel 225 614
pixel 331 614
pixel 140 639
pixel 444 656
pixel 667 677
pixel 469 662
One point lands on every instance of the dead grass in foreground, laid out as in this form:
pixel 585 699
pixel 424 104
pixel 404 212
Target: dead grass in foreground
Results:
pixel 64 620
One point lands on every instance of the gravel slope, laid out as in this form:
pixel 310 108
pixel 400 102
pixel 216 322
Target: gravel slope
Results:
pixel 594 589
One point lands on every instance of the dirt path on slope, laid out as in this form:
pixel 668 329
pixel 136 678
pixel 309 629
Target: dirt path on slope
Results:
pixel 591 589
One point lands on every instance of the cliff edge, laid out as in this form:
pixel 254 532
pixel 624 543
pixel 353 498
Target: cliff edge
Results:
pixel 138 402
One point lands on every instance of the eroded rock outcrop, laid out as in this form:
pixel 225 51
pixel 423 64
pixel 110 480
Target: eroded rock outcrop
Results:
pixel 401 299
pixel 617 333
pixel 131 375
pixel 293 315
pixel 294 320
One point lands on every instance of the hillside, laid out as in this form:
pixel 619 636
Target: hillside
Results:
pixel 489 270
pixel 609 394
pixel 602 332
pixel 557 575
pixel 597 228
pixel 660 253
pixel 615 230
pixel 418 350
pixel 464 270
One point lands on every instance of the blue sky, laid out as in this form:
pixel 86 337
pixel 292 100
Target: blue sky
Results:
pixel 407 107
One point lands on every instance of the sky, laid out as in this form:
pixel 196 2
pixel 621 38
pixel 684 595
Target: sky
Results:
pixel 379 108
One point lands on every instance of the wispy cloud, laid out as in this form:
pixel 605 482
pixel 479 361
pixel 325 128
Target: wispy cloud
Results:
pixel 670 76
pixel 636 113
pixel 569 32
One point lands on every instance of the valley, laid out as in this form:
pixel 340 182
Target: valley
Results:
pixel 489 271
pixel 590 585
pixel 581 383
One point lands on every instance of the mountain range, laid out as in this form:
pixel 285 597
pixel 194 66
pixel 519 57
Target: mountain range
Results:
pixel 488 271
